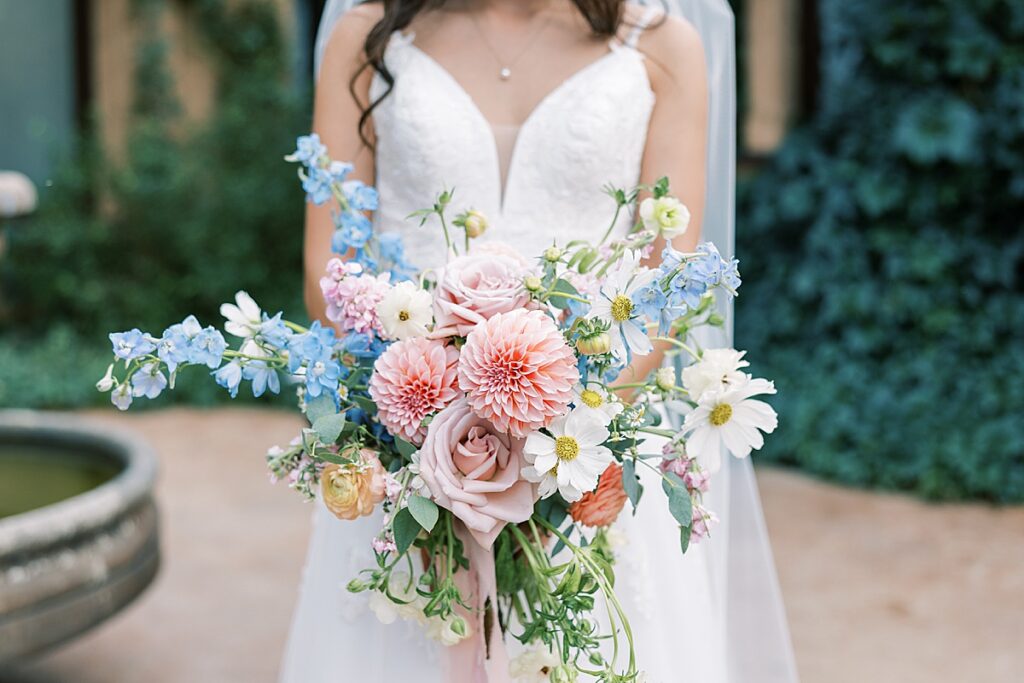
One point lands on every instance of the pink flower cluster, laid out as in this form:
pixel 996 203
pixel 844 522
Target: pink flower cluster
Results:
pixel 697 482
pixel 352 296
pixel 514 374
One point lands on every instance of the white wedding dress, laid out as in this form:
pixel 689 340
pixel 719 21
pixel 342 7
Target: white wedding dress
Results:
pixel 588 132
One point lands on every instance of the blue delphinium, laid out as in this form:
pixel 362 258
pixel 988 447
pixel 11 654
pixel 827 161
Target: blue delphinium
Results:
pixel 174 346
pixel 317 184
pixel 308 149
pixel 262 376
pixel 649 300
pixel 360 196
pixel 207 348
pixel 131 344
pixel 323 376
pixel 148 381
pixel 274 331
pixel 229 376
pixel 316 344
pixel 353 232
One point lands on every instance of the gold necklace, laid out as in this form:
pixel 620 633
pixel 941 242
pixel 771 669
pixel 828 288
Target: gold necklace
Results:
pixel 505 67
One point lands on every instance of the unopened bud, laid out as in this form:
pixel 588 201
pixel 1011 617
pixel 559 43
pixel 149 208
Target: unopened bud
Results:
pixel 552 254
pixel 665 379
pixel 474 223
pixel 533 283
pixel 594 344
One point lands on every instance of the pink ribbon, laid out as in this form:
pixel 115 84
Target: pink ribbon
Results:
pixel 477 659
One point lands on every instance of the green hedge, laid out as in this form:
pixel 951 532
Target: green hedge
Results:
pixel 885 255
pixel 189 217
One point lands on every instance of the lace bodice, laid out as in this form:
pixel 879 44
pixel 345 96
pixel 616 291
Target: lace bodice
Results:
pixel 588 132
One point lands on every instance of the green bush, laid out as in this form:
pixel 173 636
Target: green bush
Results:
pixel 187 219
pixel 886 293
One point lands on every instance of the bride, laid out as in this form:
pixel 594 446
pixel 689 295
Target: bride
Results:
pixel 528 108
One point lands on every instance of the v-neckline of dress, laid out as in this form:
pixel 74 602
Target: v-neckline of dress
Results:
pixel 614 49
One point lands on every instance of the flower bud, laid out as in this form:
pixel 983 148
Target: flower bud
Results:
pixel 552 254
pixel 594 344
pixel 565 673
pixel 475 223
pixel 458 626
pixel 533 283
pixel 665 379
pixel 106 382
pixel 356 586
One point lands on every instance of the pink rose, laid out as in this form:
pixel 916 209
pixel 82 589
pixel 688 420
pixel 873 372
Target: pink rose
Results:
pixel 473 470
pixel 474 287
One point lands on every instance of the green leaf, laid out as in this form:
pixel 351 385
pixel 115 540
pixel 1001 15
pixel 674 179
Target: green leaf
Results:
pixel 405 528
pixel 684 538
pixel 634 489
pixel 405 448
pixel 318 407
pixel 328 427
pixel 365 403
pixel 423 511
pixel 679 501
pixel 565 288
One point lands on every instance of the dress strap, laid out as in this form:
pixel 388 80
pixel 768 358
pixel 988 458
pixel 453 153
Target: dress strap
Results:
pixel 649 14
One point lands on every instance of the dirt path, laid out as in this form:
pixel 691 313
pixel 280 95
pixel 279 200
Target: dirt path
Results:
pixel 879 588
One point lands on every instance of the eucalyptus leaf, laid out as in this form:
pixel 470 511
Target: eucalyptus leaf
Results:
pixel 634 489
pixel 679 502
pixel 684 538
pixel 318 407
pixel 328 427
pixel 424 511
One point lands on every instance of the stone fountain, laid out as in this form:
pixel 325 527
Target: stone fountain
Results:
pixel 78 528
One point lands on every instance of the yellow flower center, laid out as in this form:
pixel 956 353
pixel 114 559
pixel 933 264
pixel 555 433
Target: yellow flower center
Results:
pixel 622 308
pixel 721 414
pixel 403 315
pixel 591 398
pixel 566 448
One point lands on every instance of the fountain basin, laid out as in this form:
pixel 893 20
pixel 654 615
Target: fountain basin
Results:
pixel 78 528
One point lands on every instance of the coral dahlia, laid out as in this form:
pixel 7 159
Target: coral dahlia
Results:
pixel 414 378
pixel 517 371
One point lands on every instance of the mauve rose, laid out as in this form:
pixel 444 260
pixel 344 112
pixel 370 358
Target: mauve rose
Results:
pixel 476 286
pixel 473 470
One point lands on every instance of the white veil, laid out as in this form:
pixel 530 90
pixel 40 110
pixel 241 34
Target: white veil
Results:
pixel 757 635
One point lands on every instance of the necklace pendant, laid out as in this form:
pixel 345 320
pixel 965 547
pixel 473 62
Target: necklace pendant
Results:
pixel 505 73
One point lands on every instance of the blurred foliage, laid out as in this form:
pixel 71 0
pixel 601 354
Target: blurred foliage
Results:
pixel 189 216
pixel 885 294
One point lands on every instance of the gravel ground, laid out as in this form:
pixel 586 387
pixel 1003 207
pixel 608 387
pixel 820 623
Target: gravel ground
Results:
pixel 879 588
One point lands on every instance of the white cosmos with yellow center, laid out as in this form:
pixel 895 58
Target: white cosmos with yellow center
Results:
pixel 571 459
pixel 613 304
pixel 596 400
pixel 729 419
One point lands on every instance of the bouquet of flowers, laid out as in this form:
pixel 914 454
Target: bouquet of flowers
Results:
pixel 476 406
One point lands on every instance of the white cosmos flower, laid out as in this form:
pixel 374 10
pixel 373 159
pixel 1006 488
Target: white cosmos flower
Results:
pixel 717 370
pixel 533 665
pixel 405 311
pixel 666 216
pixel 570 460
pixel 243 317
pixel 614 304
pixel 596 400
pixel 730 418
